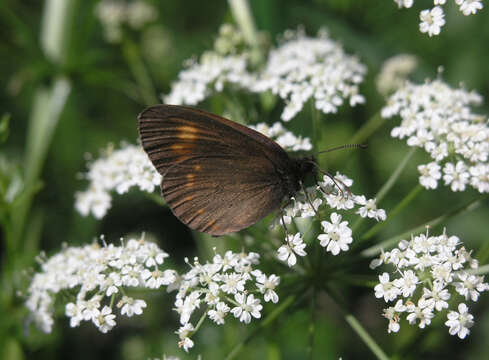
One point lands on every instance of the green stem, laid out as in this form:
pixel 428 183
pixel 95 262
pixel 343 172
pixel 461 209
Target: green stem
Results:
pixel 316 125
pixel 200 322
pixel 266 322
pixel 405 202
pixel 140 73
pixel 312 325
pixel 375 250
pixel 365 336
pixel 388 185
pixel 483 253
pixel 363 134
pixel 241 12
pixel 375 122
pixel 355 324
pixel 395 175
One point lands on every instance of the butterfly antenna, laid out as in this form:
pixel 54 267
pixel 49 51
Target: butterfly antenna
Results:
pixel 347 146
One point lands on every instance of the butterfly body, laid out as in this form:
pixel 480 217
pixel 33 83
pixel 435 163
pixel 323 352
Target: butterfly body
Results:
pixel 218 176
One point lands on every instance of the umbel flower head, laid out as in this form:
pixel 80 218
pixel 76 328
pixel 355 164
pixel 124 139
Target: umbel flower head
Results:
pixel 229 285
pixel 432 20
pixel 439 119
pixel 117 170
pixel 432 274
pixel 97 274
pixel 336 235
pixel 304 68
pixel 301 68
pixel 113 15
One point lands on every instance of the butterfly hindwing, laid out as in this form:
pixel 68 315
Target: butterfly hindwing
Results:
pixel 218 176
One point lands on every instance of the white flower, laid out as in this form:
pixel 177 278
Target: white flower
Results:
pixel 248 306
pixel 91 309
pixel 460 322
pixel 267 286
pixel 430 267
pixel 295 245
pixel 407 283
pixel 456 176
pixel 218 314
pixel 131 306
pixel 369 209
pixel 209 285
pixel 74 312
pixel 112 282
pixel 438 119
pixel 284 138
pixel 117 170
pixel 184 333
pixel 386 288
pixel 469 7
pixel 337 235
pixel 304 68
pixel 392 314
pixel 404 3
pixel 424 315
pixel 104 320
pixel 430 174
pixel 232 283
pixel 394 72
pixel 431 21
pixel 114 14
pixel 437 297
pixel 156 278
pixel 470 286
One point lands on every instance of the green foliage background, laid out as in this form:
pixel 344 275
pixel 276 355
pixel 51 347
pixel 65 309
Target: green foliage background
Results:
pixel 102 108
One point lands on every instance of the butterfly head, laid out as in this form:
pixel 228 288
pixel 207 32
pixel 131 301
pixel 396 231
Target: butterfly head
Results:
pixel 306 166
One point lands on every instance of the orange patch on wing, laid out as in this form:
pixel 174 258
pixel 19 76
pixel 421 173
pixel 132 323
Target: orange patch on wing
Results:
pixel 197 167
pixel 187 132
pixel 200 211
pixel 189 198
pixel 190 176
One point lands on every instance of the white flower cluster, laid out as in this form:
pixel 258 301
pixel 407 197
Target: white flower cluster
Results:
pixel 114 14
pixel 98 273
pixel 117 170
pixel 227 285
pixel 224 65
pixel 438 119
pixel 284 138
pixel 304 68
pixel 431 271
pixel 433 19
pixel 336 234
pixel 300 69
pixel 201 79
pixel 394 73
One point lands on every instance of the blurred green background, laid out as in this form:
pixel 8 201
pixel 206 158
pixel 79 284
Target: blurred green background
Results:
pixel 102 107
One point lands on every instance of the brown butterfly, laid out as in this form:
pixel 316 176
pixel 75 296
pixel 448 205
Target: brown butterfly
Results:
pixel 218 176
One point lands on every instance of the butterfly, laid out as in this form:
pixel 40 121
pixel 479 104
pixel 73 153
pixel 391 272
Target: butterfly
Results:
pixel 218 176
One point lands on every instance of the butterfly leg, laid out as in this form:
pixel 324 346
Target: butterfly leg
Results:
pixel 308 198
pixel 282 209
pixel 335 181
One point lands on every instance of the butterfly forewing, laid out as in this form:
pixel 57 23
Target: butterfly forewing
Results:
pixel 218 176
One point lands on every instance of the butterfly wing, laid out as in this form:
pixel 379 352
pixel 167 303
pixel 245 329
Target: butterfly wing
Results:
pixel 218 176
